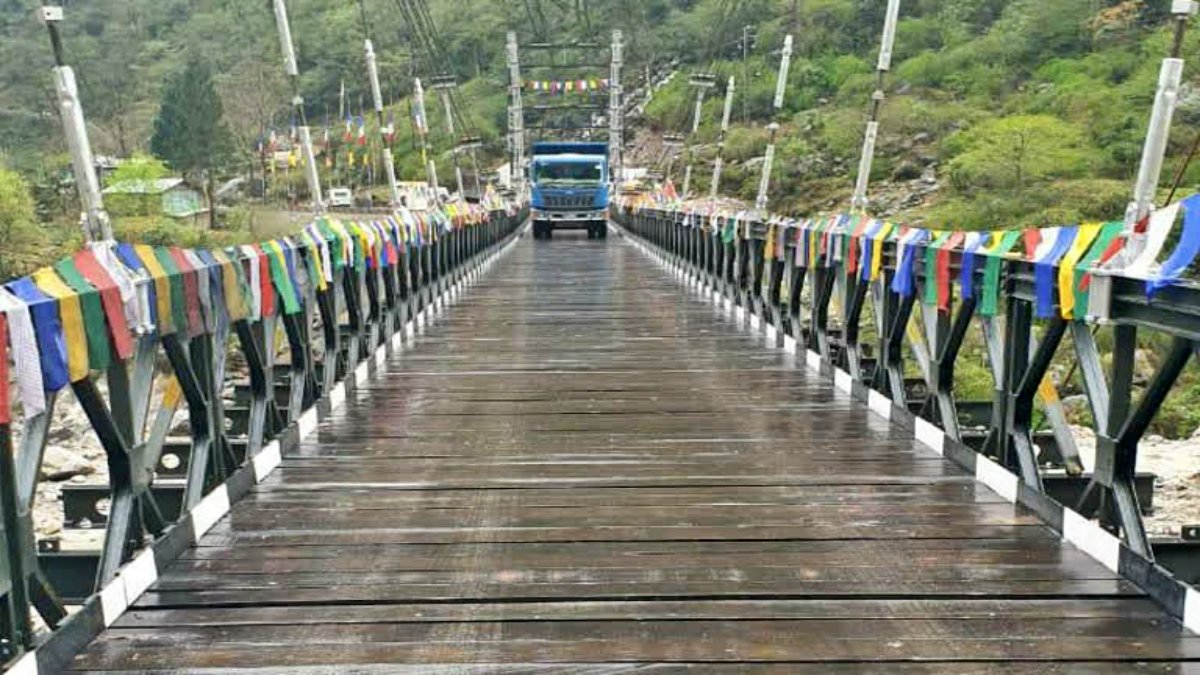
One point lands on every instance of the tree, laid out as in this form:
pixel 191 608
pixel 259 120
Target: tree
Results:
pixel 20 238
pixel 1012 153
pixel 189 132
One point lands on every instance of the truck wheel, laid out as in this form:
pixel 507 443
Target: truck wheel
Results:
pixel 602 230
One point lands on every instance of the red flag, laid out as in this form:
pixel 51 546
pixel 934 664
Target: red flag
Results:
pixel 852 253
pixel 110 298
pixel 943 269
pixel 1033 239
pixel 264 282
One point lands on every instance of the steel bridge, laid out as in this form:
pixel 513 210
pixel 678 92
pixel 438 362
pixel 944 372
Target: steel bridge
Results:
pixel 719 442
pixel 576 456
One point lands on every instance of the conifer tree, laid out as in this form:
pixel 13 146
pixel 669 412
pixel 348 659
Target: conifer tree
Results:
pixel 189 132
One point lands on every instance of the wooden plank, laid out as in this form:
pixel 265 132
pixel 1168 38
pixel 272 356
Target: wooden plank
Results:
pixel 869 609
pixel 872 642
pixel 676 668
pixel 577 471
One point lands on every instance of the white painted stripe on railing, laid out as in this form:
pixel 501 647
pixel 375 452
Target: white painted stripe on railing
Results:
pixel 381 356
pixel 755 324
pixel 112 601
pixel 790 344
pixel 999 479
pixel 929 434
pixel 267 460
pixel 1092 539
pixel 362 373
pixel 1191 610
pixel 772 333
pixel 210 510
pixel 140 574
pixel 337 395
pixel 879 404
pixel 842 380
pixel 28 664
pixel 308 422
pixel 813 359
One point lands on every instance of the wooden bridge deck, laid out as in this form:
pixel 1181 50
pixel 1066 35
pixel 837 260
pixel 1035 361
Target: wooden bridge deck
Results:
pixel 578 471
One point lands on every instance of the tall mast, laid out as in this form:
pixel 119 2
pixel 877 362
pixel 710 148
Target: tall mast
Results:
pixel 293 73
pixel 96 226
pixel 385 134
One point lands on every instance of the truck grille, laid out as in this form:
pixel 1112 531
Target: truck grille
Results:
pixel 568 201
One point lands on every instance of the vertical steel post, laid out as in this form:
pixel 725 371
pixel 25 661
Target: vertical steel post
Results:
pixel 764 185
pixel 96 226
pixel 293 73
pixel 389 162
pixel 1170 76
pixel 702 84
pixel 859 201
pixel 719 164
pixel 422 124
pixel 516 116
pixel 616 113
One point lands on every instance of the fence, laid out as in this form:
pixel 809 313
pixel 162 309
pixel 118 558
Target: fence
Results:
pixel 303 316
pixel 885 310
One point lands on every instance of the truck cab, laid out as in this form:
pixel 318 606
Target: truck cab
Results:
pixel 570 188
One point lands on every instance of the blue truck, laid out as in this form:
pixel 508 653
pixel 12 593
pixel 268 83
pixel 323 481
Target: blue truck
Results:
pixel 570 188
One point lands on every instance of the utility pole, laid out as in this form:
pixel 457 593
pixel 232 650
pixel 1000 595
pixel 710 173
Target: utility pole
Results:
pixel 672 144
pixel 1170 75
pixel 764 185
pixel 719 164
pixel 748 33
pixel 859 201
pixel 616 113
pixel 422 128
pixel 293 73
pixel 516 116
pixel 443 84
pixel 96 226
pixel 649 86
pixel 389 162
pixel 702 83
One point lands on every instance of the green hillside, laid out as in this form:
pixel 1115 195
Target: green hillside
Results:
pixel 999 112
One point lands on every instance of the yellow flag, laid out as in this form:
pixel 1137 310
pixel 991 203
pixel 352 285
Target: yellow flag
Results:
pixel 70 313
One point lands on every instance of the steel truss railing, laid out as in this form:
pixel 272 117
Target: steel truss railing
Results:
pixel 336 332
pixel 822 308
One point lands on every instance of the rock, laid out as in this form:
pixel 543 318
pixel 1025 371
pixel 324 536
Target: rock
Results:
pixel 1076 403
pixel 923 137
pixel 59 464
pixel 906 170
pixel 1154 438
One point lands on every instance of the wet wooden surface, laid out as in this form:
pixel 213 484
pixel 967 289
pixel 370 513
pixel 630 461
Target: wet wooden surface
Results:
pixel 582 470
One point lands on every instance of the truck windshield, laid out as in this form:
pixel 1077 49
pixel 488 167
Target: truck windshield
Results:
pixel 575 174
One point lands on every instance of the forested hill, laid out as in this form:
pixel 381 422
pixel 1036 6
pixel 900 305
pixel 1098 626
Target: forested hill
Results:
pixel 1000 112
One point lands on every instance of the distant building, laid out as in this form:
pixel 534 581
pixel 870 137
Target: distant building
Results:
pixel 171 197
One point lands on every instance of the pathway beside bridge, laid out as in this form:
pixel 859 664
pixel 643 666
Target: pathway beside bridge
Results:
pixel 583 468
